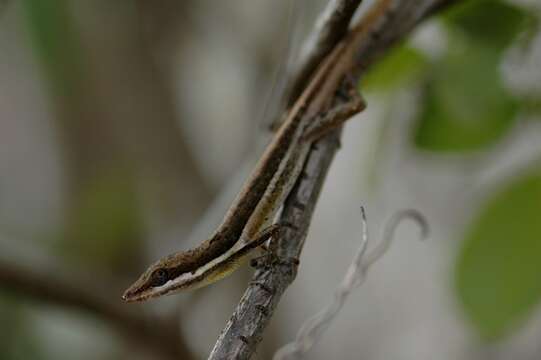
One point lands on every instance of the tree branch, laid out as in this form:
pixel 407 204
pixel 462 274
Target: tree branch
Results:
pixel 330 28
pixel 244 330
pixel 158 336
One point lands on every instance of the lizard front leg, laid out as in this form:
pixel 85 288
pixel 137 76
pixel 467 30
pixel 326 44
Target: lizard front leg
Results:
pixel 351 104
pixel 276 230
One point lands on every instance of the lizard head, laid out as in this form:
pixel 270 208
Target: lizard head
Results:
pixel 181 271
pixel 189 269
pixel 166 275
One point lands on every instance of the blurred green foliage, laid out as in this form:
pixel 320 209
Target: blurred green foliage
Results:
pixel 466 106
pixel 16 338
pixel 402 66
pixel 106 225
pixel 490 24
pixel 56 42
pixel 499 267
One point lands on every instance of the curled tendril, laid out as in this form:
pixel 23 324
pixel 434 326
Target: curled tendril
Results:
pixel 313 328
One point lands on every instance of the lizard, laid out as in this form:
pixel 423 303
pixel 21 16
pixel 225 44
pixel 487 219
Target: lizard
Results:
pixel 245 226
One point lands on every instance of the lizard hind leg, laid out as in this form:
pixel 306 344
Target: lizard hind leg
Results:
pixel 351 103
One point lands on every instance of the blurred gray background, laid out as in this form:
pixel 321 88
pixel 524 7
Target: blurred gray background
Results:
pixel 126 128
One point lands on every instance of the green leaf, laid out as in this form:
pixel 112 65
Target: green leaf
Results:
pixel 403 64
pixel 466 106
pixel 489 23
pixel 498 269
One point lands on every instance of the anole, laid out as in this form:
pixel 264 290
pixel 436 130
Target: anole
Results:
pixel 245 226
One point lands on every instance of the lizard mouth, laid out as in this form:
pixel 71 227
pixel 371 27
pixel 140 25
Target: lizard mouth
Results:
pixel 135 295
pixel 138 293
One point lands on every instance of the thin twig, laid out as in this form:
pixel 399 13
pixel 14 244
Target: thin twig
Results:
pixel 330 28
pixel 158 336
pixel 245 328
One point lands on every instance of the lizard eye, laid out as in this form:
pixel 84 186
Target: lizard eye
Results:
pixel 159 277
